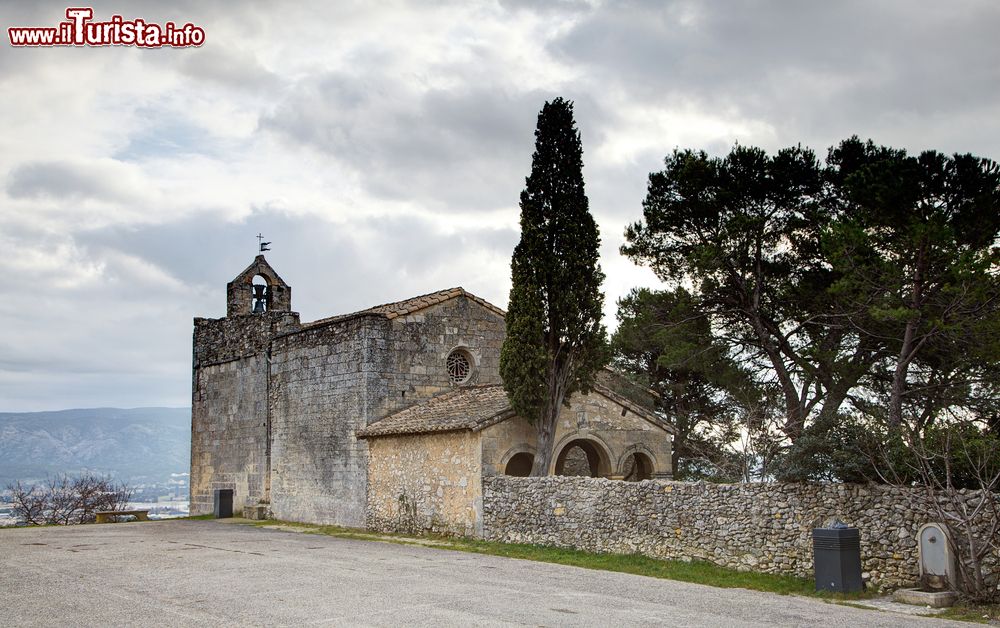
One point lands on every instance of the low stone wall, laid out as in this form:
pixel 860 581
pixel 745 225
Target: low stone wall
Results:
pixel 758 527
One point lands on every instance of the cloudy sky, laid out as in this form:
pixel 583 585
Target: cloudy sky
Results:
pixel 382 146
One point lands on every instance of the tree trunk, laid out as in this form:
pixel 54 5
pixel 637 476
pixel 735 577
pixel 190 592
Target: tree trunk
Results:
pixel 559 373
pixel 909 346
pixel 836 394
pixel 543 446
pixel 899 376
pixel 795 418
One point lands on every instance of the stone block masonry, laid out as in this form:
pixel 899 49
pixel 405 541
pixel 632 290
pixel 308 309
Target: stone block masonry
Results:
pixel 229 412
pixel 218 340
pixel 425 483
pixel 229 433
pixel 332 378
pixel 319 397
pixel 751 527
pixel 276 404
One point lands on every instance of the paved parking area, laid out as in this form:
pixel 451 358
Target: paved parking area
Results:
pixel 188 573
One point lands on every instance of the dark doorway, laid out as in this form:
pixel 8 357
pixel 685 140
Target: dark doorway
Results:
pixel 223 503
pixel 520 465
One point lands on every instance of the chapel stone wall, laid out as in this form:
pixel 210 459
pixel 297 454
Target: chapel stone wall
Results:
pixel 593 418
pixel 229 406
pixel 425 483
pixel 331 380
pixel 417 349
pixel 319 397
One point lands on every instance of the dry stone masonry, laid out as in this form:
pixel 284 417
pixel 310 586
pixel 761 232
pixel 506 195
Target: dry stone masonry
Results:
pixel 751 527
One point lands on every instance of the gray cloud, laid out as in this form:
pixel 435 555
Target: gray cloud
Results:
pixel 546 6
pixel 460 150
pixel 230 68
pixel 813 70
pixel 168 134
pixel 108 321
pixel 72 181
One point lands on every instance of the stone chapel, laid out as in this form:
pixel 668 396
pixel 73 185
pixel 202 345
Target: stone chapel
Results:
pixel 388 417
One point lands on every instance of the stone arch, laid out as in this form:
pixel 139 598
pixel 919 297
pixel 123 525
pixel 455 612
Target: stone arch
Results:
pixel 475 355
pixel 597 452
pixel 264 272
pixel 520 465
pixel 641 455
pixel 515 458
pixel 260 297
pixel 637 467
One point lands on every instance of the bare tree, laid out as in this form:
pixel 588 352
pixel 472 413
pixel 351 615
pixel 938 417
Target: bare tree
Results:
pixel 30 503
pixel 958 468
pixel 65 500
pixel 755 443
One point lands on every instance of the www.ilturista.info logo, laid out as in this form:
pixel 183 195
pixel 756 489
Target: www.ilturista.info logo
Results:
pixel 80 30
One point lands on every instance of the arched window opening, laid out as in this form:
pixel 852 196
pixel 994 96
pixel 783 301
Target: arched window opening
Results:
pixel 637 467
pixel 261 294
pixel 520 465
pixel 582 458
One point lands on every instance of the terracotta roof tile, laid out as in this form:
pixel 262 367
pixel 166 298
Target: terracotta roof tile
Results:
pixel 474 408
pixel 459 409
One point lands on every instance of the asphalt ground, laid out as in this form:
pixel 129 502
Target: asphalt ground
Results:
pixel 208 573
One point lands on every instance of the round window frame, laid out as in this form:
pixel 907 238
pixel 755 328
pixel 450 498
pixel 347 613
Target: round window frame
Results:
pixel 469 360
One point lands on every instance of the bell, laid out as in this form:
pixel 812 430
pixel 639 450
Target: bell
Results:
pixel 259 298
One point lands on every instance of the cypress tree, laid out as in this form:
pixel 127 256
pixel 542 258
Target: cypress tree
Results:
pixel 555 340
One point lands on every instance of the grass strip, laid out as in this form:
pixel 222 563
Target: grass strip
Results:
pixel 698 572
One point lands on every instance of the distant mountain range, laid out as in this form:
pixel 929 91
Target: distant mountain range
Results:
pixel 133 445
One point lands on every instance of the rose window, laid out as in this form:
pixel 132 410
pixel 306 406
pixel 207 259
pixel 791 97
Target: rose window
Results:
pixel 459 367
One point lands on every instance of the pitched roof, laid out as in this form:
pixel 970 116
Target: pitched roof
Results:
pixel 259 266
pixel 459 409
pixel 474 408
pixel 635 408
pixel 409 306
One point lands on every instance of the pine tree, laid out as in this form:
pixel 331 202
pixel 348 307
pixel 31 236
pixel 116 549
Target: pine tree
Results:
pixel 555 339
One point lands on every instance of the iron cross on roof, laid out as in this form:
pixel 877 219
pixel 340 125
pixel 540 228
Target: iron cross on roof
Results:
pixel 261 244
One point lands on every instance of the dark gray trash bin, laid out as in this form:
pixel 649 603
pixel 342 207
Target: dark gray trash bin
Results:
pixel 837 558
pixel 223 503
